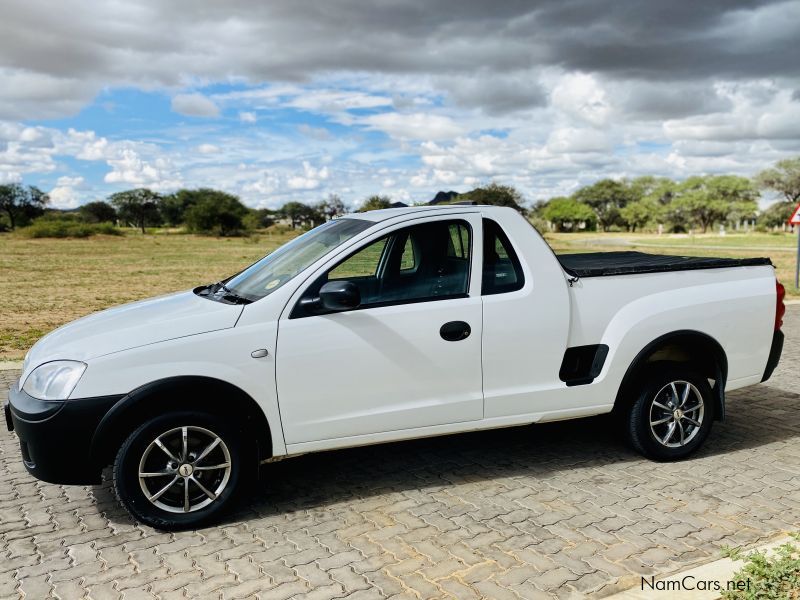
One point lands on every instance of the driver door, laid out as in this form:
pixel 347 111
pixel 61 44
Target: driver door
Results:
pixel 387 366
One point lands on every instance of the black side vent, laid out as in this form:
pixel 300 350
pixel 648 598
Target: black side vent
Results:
pixel 582 364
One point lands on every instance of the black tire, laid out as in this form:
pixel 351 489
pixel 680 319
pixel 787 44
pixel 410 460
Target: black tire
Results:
pixel 655 390
pixel 139 450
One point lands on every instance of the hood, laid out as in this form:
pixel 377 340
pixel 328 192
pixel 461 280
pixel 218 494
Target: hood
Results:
pixel 131 325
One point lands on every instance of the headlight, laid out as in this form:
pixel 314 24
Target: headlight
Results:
pixel 54 380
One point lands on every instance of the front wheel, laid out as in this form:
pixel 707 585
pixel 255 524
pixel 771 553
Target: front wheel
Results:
pixel 672 413
pixel 179 470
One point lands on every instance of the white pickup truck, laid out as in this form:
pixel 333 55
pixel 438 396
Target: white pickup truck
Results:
pixel 389 325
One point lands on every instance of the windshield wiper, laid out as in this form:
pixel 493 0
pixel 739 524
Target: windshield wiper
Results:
pixel 229 293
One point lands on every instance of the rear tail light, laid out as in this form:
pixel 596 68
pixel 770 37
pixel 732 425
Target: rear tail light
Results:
pixel 780 307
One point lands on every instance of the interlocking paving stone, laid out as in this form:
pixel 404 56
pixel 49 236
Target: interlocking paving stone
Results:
pixel 558 510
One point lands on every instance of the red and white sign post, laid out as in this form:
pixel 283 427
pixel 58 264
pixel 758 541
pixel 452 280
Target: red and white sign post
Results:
pixel 795 221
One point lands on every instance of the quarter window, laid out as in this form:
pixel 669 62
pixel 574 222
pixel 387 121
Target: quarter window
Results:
pixel 502 271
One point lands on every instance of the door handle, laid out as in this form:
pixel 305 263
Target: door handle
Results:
pixel 455 331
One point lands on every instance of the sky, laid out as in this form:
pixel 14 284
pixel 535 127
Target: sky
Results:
pixel 294 100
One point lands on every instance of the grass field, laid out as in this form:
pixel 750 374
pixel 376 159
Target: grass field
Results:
pixel 48 282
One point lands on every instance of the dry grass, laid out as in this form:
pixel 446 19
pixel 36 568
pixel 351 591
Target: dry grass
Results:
pixel 49 282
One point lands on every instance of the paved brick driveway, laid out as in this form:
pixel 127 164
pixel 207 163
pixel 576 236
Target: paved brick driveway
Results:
pixel 531 512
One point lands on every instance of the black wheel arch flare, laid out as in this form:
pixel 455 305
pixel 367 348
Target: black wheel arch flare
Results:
pixel 185 392
pixel 693 341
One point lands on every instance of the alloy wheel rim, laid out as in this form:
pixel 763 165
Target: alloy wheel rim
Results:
pixel 676 414
pixel 184 469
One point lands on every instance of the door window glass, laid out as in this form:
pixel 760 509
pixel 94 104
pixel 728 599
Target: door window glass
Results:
pixel 430 261
pixel 363 263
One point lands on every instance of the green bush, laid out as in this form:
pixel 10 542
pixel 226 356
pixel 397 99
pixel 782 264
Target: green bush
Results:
pixel 776 576
pixel 64 228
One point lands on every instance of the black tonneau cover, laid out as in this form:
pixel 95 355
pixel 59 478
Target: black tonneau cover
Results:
pixel 599 264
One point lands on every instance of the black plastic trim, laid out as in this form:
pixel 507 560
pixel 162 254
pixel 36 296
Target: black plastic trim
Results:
pixel 184 391
pixel 774 354
pixel 720 356
pixel 582 364
pixel 56 444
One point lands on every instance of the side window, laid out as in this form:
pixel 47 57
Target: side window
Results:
pixel 363 263
pixel 424 262
pixel 459 241
pixel 502 271
pixel 408 260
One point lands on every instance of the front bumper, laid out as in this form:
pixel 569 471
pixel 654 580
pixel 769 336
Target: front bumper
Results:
pixel 55 436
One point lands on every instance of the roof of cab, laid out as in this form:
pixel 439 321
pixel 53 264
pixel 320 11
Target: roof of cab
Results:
pixel 390 213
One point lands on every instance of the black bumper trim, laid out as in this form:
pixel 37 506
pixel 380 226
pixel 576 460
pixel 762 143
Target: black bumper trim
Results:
pixel 55 444
pixel 774 354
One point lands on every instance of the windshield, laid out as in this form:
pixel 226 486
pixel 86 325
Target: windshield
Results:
pixel 272 271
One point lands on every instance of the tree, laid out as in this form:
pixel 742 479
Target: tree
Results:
pixel 258 218
pixel 777 214
pixel 216 212
pixel 138 207
pixel 174 206
pixel 21 203
pixel 606 197
pixel 700 207
pixel 375 203
pixel 332 207
pixel 494 194
pixel 566 213
pixel 639 213
pixel 98 212
pixel 299 214
pixel 712 199
pixel 784 178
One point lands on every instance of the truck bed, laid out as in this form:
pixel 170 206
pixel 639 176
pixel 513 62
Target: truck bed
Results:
pixel 603 264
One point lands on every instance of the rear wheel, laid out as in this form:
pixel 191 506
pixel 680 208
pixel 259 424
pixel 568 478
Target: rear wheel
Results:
pixel 179 470
pixel 672 413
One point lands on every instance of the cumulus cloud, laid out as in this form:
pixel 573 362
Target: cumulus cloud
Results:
pixel 414 126
pixel 310 179
pixel 546 95
pixel 129 168
pixel 67 193
pixel 165 44
pixel 194 105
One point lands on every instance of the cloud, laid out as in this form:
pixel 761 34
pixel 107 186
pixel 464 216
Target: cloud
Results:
pixel 546 96
pixel 194 105
pixel 414 126
pixel 66 194
pixel 310 179
pixel 129 168
pixel 334 101
pixel 317 133
pixel 10 177
pixel 208 149
pixel 163 45
pixel 582 97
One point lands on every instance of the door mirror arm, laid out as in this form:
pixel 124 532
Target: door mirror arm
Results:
pixel 311 305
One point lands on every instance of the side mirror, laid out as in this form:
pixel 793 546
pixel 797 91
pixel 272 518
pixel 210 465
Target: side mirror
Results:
pixel 340 295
